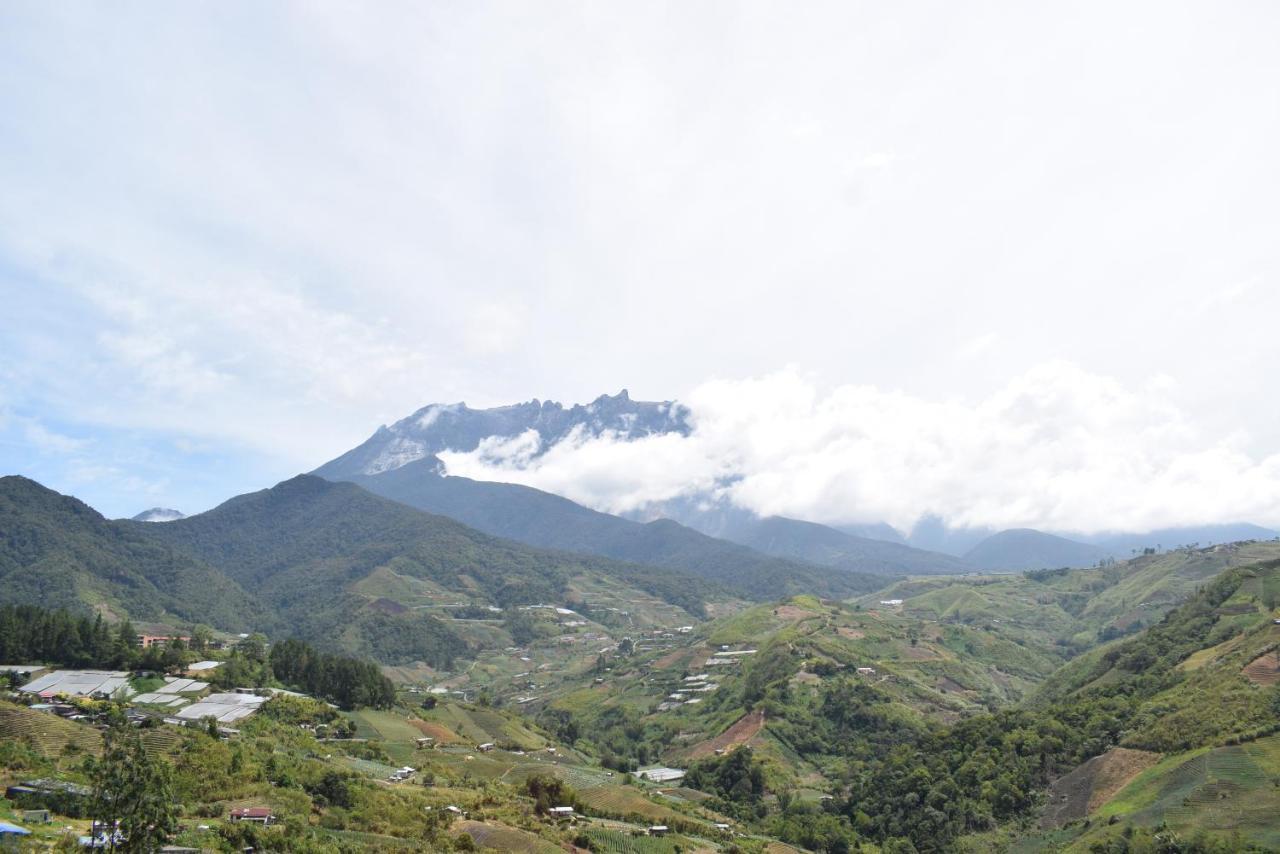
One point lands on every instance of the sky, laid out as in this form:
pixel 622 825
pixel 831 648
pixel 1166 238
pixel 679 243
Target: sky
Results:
pixel 993 260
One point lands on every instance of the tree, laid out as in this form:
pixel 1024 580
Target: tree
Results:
pixel 133 789
pixel 548 792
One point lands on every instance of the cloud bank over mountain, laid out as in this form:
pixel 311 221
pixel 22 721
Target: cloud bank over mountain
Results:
pixel 1057 448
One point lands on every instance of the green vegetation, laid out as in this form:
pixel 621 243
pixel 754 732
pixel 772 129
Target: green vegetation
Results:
pixel 132 792
pixel 307 547
pixel 57 552
pixel 346 681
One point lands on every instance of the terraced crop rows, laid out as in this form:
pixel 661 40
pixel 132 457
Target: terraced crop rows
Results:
pixel 505 838
pixel 618 842
pixel 623 801
pixel 48 733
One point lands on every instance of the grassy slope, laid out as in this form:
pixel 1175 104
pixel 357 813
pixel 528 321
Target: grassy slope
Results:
pixel 1072 609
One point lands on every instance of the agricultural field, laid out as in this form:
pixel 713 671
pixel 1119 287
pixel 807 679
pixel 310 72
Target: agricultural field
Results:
pixel 52 737
pixel 1230 789
pixel 501 837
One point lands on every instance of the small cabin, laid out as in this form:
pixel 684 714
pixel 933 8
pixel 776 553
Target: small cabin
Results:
pixel 257 815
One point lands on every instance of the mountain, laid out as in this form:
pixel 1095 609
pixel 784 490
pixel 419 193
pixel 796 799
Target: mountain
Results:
pixel 808 541
pixel 1024 548
pixel 874 531
pixel 159 514
pixel 341 566
pixel 58 552
pixel 541 519
pixel 1122 545
pixel 457 427
pixel 933 534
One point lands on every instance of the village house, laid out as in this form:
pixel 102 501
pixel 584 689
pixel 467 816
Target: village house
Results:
pixel 147 641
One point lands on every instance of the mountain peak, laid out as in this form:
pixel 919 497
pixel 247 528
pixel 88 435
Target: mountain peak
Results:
pixel 442 427
pixel 160 514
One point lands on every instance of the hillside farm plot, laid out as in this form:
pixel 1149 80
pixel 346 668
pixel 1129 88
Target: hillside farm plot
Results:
pixel 1265 669
pixel 740 733
pixel 626 801
pixel 618 841
pixel 500 837
pixel 1223 789
pixel 1092 784
pixel 49 734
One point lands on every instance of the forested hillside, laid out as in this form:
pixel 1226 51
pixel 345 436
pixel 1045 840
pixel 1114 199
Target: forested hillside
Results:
pixel 58 552
pixel 340 565
pixel 542 519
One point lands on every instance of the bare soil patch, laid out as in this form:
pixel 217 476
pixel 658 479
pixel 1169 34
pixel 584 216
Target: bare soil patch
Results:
pixel 851 634
pixel 671 659
pixel 1092 784
pixel 792 612
pixel 441 733
pixel 1265 669
pixel 387 606
pixel 742 731
pixel 951 686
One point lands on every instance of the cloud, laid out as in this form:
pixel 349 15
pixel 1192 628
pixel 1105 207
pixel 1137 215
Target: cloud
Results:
pixel 1056 447
pixel 267 228
pixel 49 441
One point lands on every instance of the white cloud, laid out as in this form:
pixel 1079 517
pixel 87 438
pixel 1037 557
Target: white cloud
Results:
pixel 271 227
pixel 1056 448
pixel 49 441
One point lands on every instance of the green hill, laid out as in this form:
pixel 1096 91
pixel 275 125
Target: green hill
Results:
pixel 58 552
pixel 341 566
pixel 826 546
pixel 541 519
pixel 1073 609
pixel 1024 548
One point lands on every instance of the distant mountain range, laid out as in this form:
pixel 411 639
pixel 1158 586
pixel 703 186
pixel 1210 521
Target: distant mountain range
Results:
pixel 694 533
pixel 542 519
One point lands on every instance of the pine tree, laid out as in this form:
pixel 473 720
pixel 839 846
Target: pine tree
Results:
pixel 134 789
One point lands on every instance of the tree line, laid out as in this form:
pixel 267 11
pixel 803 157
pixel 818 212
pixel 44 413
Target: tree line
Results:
pixel 349 682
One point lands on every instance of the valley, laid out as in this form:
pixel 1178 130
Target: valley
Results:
pixel 1038 710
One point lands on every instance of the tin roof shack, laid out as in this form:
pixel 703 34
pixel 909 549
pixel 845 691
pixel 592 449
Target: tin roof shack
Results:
pixel 257 815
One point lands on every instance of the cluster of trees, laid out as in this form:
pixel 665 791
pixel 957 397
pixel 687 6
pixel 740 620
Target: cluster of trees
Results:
pixel 29 633
pixel 32 634
pixel 737 778
pixel 348 682
pixel 548 792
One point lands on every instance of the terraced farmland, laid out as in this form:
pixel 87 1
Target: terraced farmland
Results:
pixel 620 842
pixel 49 734
pixel 1225 789
pixel 504 838
pixel 626 801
